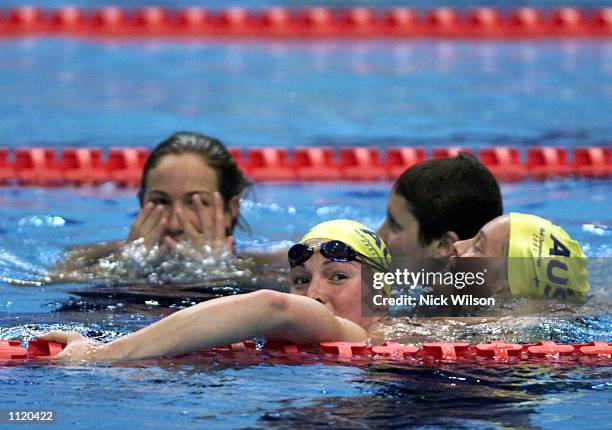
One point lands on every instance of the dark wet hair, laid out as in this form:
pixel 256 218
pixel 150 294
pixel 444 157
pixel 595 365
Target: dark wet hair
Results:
pixel 230 178
pixel 451 194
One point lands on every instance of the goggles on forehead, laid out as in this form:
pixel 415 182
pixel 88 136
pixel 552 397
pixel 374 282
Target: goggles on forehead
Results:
pixel 334 250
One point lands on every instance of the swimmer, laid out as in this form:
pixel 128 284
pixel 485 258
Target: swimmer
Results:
pixel 324 304
pixel 540 259
pixel 435 203
pixel 190 192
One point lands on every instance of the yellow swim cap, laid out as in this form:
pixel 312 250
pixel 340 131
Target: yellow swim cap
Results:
pixel 363 240
pixel 544 261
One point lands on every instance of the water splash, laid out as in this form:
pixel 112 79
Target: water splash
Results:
pixel 597 229
pixel 187 263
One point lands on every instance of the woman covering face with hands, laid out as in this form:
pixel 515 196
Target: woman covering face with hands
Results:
pixel 190 204
pixel 189 192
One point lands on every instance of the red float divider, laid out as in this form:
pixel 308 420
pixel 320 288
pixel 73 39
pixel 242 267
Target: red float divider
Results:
pixel 6 169
pixel 107 21
pixel 446 350
pixel 548 348
pixel 504 163
pixel 568 21
pixel 312 22
pixel 547 162
pixel 596 348
pixel 11 352
pixel 485 21
pixel 395 350
pixel 192 20
pixel 594 162
pixel 602 21
pixel 275 20
pixel 527 22
pixel 499 350
pixel 400 22
pixel 23 20
pixel 37 166
pixel 270 164
pixel 448 152
pixel 67 19
pixel 42 349
pixel 361 164
pixel 344 349
pixel 444 22
pixel 152 20
pixel 397 160
pixel 84 166
pixel 125 165
pixel 316 164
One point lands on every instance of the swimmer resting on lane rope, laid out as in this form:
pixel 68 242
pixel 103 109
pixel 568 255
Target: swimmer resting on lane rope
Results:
pixel 541 259
pixel 324 304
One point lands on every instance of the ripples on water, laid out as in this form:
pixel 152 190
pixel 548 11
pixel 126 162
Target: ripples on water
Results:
pixel 238 393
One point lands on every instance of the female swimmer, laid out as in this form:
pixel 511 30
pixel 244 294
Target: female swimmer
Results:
pixel 190 191
pixel 324 304
pixel 539 258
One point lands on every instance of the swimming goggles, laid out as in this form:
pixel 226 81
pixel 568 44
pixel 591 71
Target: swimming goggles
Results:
pixel 334 250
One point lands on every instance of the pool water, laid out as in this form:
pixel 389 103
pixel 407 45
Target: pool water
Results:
pixel 67 92
pixel 37 223
pixel 252 93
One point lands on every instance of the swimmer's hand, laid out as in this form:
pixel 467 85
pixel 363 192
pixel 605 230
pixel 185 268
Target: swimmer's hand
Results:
pixel 210 236
pixel 150 225
pixel 78 349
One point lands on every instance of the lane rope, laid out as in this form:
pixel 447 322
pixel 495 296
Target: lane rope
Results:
pixel 12 353
pixel 313 22
pixel 123 166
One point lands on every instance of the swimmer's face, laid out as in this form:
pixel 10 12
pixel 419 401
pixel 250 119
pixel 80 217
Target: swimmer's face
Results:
pixel 491 240
pixel 400 231
pixel 174 182
pixel 337 285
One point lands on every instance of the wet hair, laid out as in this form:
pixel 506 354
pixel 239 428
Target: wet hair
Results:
pixel 230 178
pixel 451 194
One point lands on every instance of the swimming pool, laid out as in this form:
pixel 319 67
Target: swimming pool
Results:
pixel 68 92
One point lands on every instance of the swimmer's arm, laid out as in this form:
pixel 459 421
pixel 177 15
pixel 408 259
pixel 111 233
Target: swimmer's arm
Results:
pixel 83 256
pixel 265 313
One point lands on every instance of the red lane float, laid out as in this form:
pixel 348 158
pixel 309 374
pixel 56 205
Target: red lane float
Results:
pixel 361 164
pixel 37 166
pixel 504 163
pixel 314 22
pixel 268 164
pixel 123 166
pixel 547 161
pixel 315 164
pixel 11 352
pixel 397 160
pixel 6 169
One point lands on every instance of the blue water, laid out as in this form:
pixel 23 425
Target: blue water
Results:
pixel 39 222
pixel 114 93
pixel 72 92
